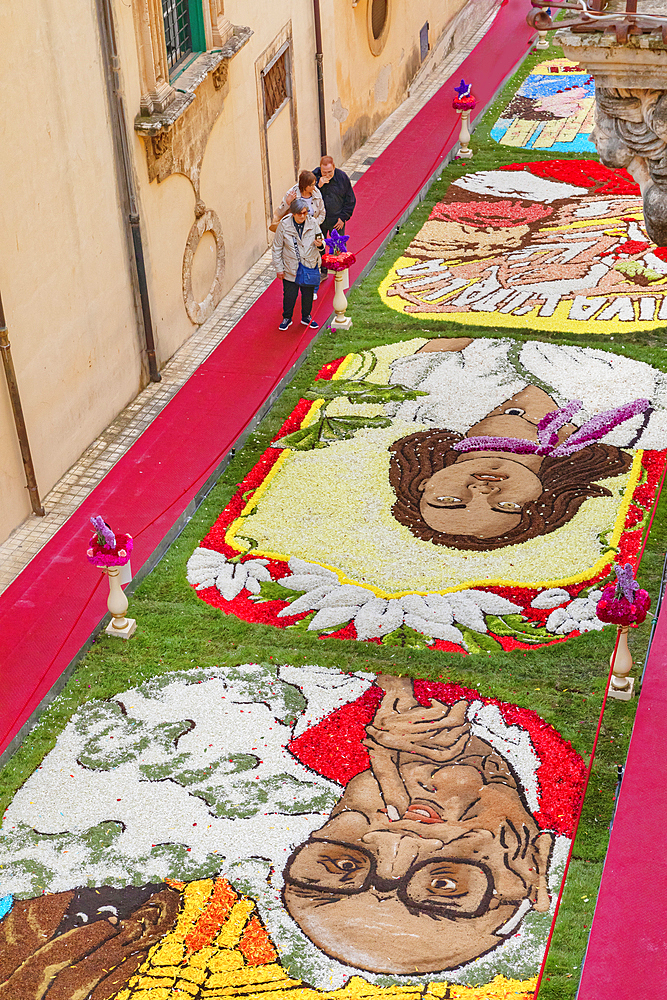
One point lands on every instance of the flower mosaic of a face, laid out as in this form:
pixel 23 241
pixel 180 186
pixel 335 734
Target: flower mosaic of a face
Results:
pixel 480 494
pixel 439 885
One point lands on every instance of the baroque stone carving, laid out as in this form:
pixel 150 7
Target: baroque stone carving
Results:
pixel 206 221
pixel 631 131
pixel 190 117
pixel 220 74
pixel 160 143
pixel 631 112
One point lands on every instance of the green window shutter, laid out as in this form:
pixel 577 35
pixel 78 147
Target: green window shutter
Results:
pixel 197 26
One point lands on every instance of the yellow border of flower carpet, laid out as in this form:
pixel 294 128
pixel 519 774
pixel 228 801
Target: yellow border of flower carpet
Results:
pixel 204 957
pixel 559 321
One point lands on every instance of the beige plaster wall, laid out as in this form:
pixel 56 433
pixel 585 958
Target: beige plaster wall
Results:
pixel 366 88
pixel 63 264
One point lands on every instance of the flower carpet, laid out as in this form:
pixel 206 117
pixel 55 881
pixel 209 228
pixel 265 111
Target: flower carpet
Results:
pixel 327 533
pixel 553 109
pixel 163 788
pixel 360 746
pixel 552 245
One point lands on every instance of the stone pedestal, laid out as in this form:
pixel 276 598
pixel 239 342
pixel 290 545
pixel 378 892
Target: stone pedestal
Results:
pixel 630 111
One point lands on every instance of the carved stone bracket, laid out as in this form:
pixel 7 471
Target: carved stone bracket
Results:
pixel 630 112
pixel 176 138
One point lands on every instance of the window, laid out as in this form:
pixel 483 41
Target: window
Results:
pixel 423 42
pixel 183 31
pixel 378 17
pixel 276 87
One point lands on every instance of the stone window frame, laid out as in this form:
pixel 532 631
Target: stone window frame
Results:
pixel 157 89
pixel 283 42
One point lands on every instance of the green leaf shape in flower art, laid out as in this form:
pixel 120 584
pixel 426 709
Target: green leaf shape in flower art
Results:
pixel 361 391
pixel 327 429
pixel 270 590
pixel 407 638
pixel 518 628
pixel 478 642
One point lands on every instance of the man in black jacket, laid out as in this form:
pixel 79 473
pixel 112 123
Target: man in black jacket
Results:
pixel 339 199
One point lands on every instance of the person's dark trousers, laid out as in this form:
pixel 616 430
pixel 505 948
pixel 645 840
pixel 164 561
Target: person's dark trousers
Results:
pixel 290 293
pixel 329 224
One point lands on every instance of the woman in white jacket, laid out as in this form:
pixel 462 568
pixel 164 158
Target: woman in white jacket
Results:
pixel 307 189
pixel 298 239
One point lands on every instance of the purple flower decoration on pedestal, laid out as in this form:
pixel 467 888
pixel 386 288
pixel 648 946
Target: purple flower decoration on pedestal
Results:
pixel 626 581
pixel 105 535
pixel 463 89
pixel 336 242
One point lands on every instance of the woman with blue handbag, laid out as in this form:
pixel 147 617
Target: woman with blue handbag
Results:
pixel 296 257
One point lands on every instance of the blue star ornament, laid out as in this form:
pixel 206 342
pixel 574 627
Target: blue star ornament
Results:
pixel 463 89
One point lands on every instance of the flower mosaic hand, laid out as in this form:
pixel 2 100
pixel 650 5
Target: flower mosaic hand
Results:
pixel 438 733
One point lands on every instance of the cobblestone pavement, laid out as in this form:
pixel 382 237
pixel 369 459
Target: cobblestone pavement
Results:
pixel 69 492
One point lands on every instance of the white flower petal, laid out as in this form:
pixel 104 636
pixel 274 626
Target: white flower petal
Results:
pixel 377 618
pixel 439 608
pixel 436 630
pixel 550 598
pixel 231 588
pixel 304 581
pixel 307 602
pixel 300 566
pixel 328 617
pixel 346 594
pixel 257 569
pixel 492 604
pixel 414 604
pixel 555 619
pixel 466 612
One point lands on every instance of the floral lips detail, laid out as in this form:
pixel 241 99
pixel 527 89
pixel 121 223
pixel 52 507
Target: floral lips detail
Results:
pixel 552 245
pixel 457 495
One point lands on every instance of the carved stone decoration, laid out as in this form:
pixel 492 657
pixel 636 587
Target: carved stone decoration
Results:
pixel 220 74
pixel 631 131
pixel 189 119
pixel 161 143
pixel 156 91
pixel 630 113
pixel 207 222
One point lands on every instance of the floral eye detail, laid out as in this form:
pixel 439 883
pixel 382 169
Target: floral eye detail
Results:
pixel 443 886
pixel 329 866
pixel 449 499
pixel 514 411
pixel 509 506
pixel 347 865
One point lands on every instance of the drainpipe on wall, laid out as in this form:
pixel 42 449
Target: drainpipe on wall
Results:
pixel 320 76
pixel 122 151
pixel 17 410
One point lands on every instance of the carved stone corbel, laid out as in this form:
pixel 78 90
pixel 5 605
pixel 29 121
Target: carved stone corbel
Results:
pixel 630 112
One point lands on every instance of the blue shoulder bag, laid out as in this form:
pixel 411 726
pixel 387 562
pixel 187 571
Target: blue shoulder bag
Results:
pixel 306 275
